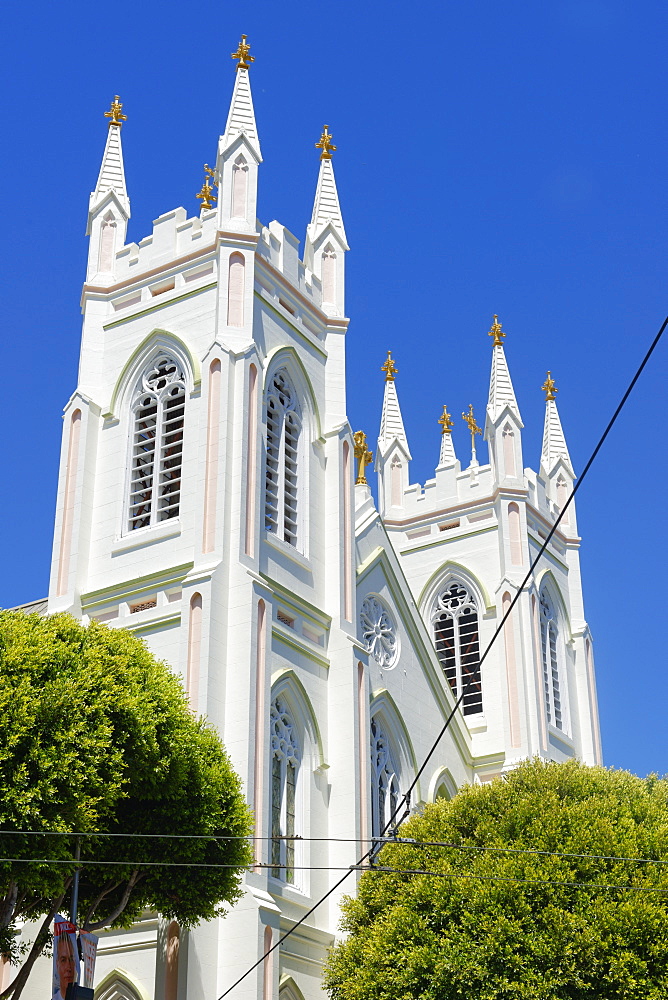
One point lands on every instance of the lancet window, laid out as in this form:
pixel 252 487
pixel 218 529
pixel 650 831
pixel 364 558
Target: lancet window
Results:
pixel 158 411
pixel 549 640
pixel 384 780
pixel 285 757
pixel 457 640
pixel 282 469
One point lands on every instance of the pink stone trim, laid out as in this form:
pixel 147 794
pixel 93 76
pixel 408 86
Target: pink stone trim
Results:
pixel 362 756
pixel 511 674
pixel 514 534
pixel 260 680
pixel 212 450
pixel 194 650
pixel 537 653
pixel 251 459
pixel 347 537
pixel 268 965
pixel 68 503
pixel 172 961
pixel 236 289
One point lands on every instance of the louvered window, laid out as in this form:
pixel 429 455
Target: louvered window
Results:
pixel 285 756
pixel 457 640
pixel 549 640
pixel 282 469
pixel 384 780
pixel 157 445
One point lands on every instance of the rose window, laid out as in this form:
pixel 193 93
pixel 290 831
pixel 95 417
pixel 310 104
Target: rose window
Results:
pixel 378 632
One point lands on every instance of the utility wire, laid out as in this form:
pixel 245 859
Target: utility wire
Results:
pixel 382 869
pixel 405 800
pixel 377 842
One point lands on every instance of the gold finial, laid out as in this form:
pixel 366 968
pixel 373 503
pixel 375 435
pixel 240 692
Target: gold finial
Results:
pixel 497 332
pixel 114 113
pixel 325 144
pixel 242 54
pixel 206 195
pixel 549 387
pixel 363 456
pixel 446 421
pixel 389 368
pixel 469 419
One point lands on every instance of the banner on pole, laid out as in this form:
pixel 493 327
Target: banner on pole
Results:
pixel 65 957
pixel 89 949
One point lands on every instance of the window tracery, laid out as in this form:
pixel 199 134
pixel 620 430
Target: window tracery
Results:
pixel 384 780
pixel 285 757
pixel 157 444
pixel 457 641
pixel 378 632
pixel 282 468
pixel 549 640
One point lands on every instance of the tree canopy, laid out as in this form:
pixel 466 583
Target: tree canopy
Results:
pixel 548 921
pixel 96 737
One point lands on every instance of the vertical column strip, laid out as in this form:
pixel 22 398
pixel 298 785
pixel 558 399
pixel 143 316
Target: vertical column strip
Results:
pixel 363 755
pixel 251 459
pixel 268 969
pixel 68 502
pixel 593 705
pixel 194 648
pixel 347 537
pixel 172 961
pixel 258 769
pixel 212 451
pixel 538 659
pixel 511 674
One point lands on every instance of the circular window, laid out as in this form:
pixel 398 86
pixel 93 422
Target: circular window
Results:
pixel 378 631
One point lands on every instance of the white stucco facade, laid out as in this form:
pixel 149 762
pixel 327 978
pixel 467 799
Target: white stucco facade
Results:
pixel 252 583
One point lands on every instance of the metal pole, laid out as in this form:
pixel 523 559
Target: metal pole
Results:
pixel 75 884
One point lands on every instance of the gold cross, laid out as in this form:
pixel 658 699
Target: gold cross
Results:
pixel 446 421
pixel 325 144
pixel 497 332
pixel 206 195
pixel 363 456
pixel 549 387
pixel 114 112
pixel 389 368
pixel 242 54
pixel 469 419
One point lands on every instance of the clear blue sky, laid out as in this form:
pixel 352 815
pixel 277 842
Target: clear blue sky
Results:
pixel 493 157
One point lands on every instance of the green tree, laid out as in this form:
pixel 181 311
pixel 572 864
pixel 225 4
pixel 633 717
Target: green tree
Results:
pixel 96 736
pixel 572 930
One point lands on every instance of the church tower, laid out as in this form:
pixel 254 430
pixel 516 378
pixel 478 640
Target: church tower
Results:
pixel 208 501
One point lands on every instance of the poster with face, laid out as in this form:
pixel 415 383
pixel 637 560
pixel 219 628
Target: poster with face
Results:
pixel 65 957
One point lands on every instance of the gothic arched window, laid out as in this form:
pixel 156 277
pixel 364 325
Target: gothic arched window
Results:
pixel 457 640
pixel 549 642
pixel 285 755
pixel 158 411
pixel 384 780
pixel 282 470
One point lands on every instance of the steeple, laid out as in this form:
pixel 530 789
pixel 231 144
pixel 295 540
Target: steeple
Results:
pixel 556 468
pixel 554 442
pixel 325 235
pixel 503 424
pixel 109 205
pixel 239 153
pixel 447 457
pixel 393 454
pixel 501 392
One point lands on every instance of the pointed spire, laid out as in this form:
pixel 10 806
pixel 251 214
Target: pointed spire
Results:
pixel 448 456
pixel 554 442
pixel 241 117
pixel 391 422
pixel 326 208
pixel 112 173
pixel 501 392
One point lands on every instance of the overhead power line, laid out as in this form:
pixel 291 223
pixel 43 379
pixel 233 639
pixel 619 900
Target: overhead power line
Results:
pixel 405 799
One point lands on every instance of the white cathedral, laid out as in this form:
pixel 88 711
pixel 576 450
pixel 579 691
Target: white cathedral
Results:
pixel 212 499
